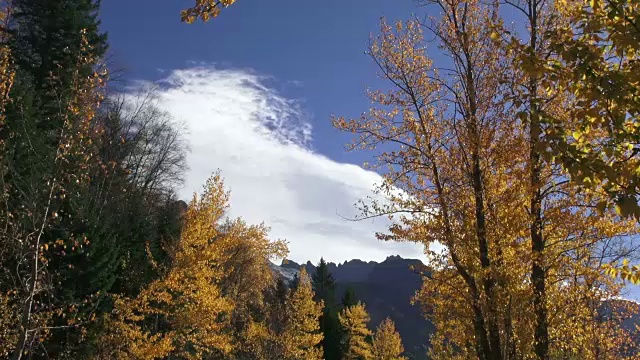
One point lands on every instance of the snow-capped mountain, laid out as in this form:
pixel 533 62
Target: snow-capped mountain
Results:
pixel 287 274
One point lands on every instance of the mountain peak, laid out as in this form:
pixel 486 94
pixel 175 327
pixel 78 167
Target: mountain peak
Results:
pixel 354 270
pixel 289 264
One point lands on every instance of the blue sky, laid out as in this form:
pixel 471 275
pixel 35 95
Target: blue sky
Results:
pixel 314 49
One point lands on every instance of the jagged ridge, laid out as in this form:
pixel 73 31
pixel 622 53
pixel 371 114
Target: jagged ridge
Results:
pixel 385 287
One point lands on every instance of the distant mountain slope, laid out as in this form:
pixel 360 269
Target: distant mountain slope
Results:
pixel 386 288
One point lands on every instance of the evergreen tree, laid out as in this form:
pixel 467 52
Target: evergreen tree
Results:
pixel 295 282
pixel 56 46
pixel 277 306
pixel 48 38
pixel 330 324
pixel 323 282
pixel 282 290
pixel 349 298
pixel 387 344
pixel 324 287
pixel 354 321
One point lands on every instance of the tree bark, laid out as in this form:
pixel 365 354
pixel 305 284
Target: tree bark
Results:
pixel 538 271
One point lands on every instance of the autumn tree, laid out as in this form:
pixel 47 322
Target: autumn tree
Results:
pixel 291 329
pixel 349 300
pixel 246 280
pixel 524 90
pixel 387 344
pixel 265 338
pixel 593 58
pixel 356 344
pixel 441 152
pixel 457 170
pixel 37 198
pixel 530 92
pixel 302 335
pixel 50 138
pixel 184 313
pixel 6 63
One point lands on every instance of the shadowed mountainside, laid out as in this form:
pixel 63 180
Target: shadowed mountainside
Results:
pixel 386 288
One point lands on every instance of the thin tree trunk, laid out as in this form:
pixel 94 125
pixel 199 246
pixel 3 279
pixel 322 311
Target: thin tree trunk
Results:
pixel 488 283
pixel 25 318
pixel 538 271
pixel 482 346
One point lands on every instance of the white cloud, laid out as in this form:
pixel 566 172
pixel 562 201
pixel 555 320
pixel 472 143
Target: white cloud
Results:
pixel 261 143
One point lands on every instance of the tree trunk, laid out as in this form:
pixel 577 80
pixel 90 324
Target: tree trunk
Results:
pixel 538 271
pixel 25 318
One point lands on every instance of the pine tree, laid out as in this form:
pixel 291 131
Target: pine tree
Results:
pixel 349 298
pixel 323 283
pixel 330 324
pixel 354 321
pixel 387 344
pixel 302 334
pixel 48 38
pixel 324 287
pixel 295 281
pixel 56 48
pixel 277 307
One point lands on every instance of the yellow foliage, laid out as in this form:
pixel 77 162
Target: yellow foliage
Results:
pixel 246 279
pixel 353 320
pixel 387 344
pixel 258 342
pixel 457 171
pixel 188 313
pixel 597 62
pixel 6 67
pixel 290 330
pixel 301 336
pixel 626 272
pixel 8 316
pixel 205 10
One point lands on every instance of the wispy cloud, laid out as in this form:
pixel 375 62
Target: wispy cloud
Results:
pixel 262 142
